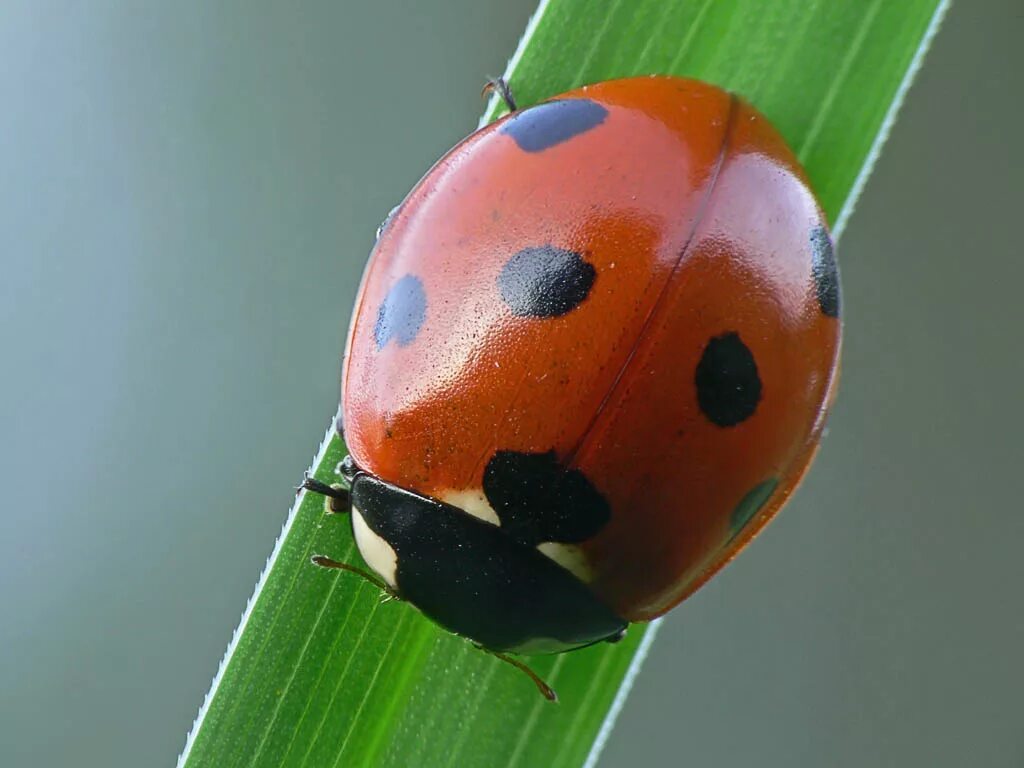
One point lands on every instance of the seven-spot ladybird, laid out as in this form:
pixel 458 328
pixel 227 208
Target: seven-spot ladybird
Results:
pixel 591 357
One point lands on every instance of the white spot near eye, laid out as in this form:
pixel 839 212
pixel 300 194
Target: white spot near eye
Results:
pixel 377 553
pixel 569 557
pixel 473 502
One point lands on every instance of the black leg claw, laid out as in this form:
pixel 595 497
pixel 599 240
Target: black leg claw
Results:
pixel 498 84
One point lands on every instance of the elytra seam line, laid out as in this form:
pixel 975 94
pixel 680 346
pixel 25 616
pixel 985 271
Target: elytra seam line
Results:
pixel 570 458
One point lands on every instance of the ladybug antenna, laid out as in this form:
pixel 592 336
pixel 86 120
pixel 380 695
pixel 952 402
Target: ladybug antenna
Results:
pixel 326 562
pixel 545 690
pixel 499 86
pixel 338 498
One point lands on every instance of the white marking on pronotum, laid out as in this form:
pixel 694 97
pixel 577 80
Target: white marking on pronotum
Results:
pixel 377 553
pixel 240 629
pixel 890 117
pixel 531 27
pixel 569 557
pixel 621 695
pixel 472 502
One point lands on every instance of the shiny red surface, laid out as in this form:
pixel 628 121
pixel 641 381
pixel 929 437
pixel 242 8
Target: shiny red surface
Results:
pixel 696 217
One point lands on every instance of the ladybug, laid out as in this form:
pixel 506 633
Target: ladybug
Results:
pixel 590 358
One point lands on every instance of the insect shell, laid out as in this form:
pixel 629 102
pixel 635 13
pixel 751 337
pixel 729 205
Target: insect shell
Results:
pixel 590 359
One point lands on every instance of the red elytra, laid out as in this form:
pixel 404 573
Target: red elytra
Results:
pixel 633 279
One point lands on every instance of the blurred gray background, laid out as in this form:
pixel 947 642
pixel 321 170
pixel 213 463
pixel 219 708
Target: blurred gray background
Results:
pixel 187 194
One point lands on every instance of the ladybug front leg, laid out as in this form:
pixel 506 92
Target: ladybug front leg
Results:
pixel 326 562
pixel 339 502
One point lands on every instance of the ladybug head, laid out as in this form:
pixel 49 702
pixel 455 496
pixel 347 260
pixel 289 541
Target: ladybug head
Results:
pixel 490 583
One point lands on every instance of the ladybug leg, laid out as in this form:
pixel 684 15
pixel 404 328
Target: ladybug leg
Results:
pixel 338 498
pixel 545 690
pixel 498 84
pixel 326 562
pixel 618 637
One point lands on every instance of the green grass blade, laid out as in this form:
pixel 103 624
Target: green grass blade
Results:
pixel 320 671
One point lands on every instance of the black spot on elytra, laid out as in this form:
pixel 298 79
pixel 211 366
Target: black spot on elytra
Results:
pixel 545 281
pixel 728 387
pixel 543 126
pixel 401 315
pixel 751 504
pixel 538 500
pixel 825 271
